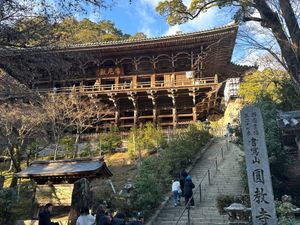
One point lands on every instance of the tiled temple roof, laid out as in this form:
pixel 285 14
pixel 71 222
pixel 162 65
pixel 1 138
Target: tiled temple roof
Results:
pixel 204 33
pixel 70 167
pixel 209 33
pixel 11 88
pixel 289 120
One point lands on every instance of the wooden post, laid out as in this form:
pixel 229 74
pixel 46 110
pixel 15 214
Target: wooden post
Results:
pixel 216 78
pixel 152 80
pixel 134 81
pixel 135 117
pixel 117 83
pixel 194 114
pixel 117 116
pixel 174 117
pixel 155 116
pixel 1 182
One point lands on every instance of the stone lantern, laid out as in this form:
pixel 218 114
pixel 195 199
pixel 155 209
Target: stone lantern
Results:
pixel 238 214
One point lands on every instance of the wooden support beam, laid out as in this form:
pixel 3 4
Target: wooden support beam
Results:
pixel 127 118
pixel 152 95
pixel 193 94
pixel 185 115
pixel 152 80
pixel 135 118
pixel 174 117
pixel 194 114
pixel 154 116
pixel 117 116
pixel 114 99
pixel 133 97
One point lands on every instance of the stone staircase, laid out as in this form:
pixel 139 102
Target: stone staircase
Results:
pixel 226 180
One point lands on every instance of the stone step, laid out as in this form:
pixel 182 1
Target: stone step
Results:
pixel 224 180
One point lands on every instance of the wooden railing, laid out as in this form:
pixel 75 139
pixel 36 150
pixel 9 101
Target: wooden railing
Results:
pixel 130 86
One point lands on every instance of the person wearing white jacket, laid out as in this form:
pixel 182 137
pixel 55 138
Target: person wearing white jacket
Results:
pixel 176 191
pixel 85 218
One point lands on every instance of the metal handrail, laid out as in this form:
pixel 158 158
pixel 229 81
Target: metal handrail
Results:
pixel 207 174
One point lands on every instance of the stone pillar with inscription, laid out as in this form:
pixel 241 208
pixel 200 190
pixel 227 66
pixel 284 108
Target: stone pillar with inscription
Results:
pixel 258 170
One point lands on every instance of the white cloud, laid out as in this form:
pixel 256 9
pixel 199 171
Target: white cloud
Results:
pixel 145 17
pixel 152 3
pixel 146 10
pixel 203 21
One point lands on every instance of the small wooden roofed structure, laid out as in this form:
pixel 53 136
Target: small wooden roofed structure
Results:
pixel 289 123
pixel 65 171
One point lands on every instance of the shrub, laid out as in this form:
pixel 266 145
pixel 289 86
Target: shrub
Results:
pixel 88 150
pixel 287 221
pixel 149 184
pixel 68 142
pixel 182 148
pixel 146 137
pixel 110 141
pixel 7 202
pixel 223 201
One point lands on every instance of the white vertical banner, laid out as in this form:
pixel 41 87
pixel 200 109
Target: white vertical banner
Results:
pixel 258 170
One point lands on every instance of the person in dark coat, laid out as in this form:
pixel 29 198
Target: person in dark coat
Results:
pixel 183 175
pixel 119 219
pixel 45 215
pixel 101 218
pixel 188 191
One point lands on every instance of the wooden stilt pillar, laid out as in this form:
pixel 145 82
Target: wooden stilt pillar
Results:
pixel 117 116
pixel 135 118
pixel 113 98
pixel 153 97
pixel 154 116
pixel 174 111
pixel 174 117
pixel 133 98
pixel 194 114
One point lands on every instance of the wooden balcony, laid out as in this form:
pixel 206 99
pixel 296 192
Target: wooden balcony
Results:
pixel 139 86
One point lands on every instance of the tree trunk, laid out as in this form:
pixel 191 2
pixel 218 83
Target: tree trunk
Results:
pixel 28 159
pixel 81 197
pixel 76 145
pixel 10 165
pixel 14 181
pixel 289 49
pixel 2 178
pixel 55 151
pixel 14 159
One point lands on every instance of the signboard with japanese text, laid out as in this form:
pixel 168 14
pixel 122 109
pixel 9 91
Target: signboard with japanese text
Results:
pixel 258 170
pixel 110 71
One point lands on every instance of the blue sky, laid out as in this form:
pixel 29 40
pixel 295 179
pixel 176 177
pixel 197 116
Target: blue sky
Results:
pixel 140 16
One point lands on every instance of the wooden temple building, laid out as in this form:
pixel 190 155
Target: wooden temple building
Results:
pixel 170 81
